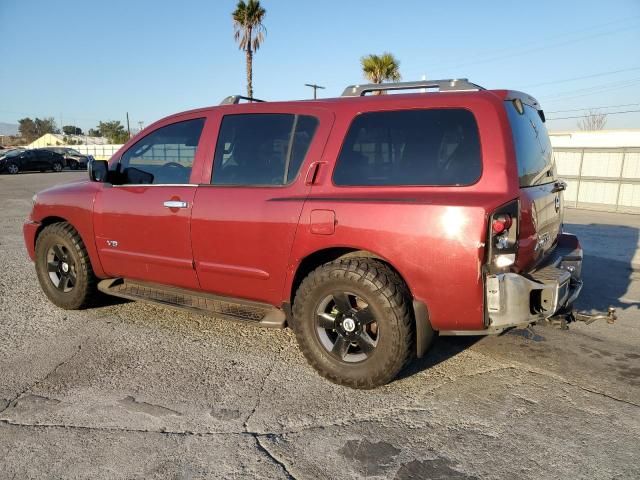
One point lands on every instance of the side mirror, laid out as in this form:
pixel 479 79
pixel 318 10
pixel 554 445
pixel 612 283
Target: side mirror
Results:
pixel 98 170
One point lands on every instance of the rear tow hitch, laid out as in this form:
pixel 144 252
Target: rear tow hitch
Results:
pixel 564 319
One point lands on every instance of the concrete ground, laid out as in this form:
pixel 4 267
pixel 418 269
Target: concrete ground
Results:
pixel 136 391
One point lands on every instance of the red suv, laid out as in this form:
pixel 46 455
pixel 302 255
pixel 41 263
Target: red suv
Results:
pixel 366 223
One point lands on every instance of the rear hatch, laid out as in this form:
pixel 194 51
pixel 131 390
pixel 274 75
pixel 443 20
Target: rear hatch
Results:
pixel 541 205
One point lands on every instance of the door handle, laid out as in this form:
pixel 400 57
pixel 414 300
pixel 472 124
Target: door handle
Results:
pixel 176 204
pixel 559 186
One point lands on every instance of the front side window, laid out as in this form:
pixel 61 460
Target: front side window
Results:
pixel 534 154
pixel 261 149
pixel 165 156
pixel 411 147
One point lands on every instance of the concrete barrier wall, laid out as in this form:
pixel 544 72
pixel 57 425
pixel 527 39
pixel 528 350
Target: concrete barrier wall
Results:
pixel 600 178
pixel 99 152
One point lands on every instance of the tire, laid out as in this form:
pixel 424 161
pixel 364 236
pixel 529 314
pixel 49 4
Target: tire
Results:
pixel 73 165
pixel 375 296
pixel 57 167
pixel 58 245
pixel 12 168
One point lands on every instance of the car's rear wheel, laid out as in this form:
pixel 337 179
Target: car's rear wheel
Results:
pixel 12 168
pixel 57 167
pixel 64 268
pixel 73 165
pixel 353 321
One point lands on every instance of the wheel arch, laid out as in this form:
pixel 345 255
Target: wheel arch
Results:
pixel 90 246
pixel 330 254
pixel 424 331
pixel 45 222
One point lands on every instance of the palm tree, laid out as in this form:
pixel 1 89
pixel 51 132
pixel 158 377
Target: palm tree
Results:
pixel 381 68
pixel 249 33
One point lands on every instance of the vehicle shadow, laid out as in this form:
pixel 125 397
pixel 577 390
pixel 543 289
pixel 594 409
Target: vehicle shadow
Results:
pixel 607 272
pixel 442 349
pixel 608 266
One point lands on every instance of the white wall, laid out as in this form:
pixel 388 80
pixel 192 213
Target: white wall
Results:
pixel 596 139
pixel 602 169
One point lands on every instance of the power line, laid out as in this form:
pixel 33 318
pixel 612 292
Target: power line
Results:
pixel 542 48
pixel 606 113
pixel 594 89
pixel 593 108
pixel 553 82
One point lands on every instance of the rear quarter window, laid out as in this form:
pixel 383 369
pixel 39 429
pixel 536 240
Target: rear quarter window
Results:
pixel 534 154
pixel 410 147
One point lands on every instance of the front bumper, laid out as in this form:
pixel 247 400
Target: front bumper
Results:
pixel 515 300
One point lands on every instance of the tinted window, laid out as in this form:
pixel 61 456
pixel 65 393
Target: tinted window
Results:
pixel 261 149
pixel 533 148
pixel 411 147
pixel 165 156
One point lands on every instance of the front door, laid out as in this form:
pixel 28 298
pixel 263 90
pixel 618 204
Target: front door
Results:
pixel 142 221
pixel 245 217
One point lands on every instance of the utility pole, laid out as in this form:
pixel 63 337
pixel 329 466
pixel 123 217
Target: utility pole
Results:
pixel 128 128
pixel 315 89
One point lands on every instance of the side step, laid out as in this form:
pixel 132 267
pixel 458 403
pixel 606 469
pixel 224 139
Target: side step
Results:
pixel 202 303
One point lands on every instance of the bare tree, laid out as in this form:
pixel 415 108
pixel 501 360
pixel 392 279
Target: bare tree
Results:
pixel 593 120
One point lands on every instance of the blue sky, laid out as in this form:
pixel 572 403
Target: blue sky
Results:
pixel 86 61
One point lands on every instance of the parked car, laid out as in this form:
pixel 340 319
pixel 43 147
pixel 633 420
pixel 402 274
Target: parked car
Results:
pixel 366 223
pixel 36 159
pixel 73 159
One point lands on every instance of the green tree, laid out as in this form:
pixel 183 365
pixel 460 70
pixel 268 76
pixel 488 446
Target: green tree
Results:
pixel 71 130
pixel 27 129
pixel 381 68
pixel 30 129
pixel 113 130
pixel 249 33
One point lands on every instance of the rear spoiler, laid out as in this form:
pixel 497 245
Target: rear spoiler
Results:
pixel 515 96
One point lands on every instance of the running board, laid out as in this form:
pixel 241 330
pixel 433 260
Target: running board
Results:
pixel 262 314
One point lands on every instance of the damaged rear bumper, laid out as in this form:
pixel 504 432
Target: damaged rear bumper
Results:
pixel 516 300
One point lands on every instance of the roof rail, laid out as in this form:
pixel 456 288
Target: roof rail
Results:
pixel 448 85
pixel 235 99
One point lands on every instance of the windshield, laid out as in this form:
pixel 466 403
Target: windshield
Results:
pixel 11 153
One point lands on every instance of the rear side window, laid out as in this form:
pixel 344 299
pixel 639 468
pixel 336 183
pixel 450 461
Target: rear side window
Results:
pixel 533 148
pixel 261 149
pixel 411 147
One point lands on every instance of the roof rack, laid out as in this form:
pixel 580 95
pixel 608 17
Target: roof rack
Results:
pixel 448 85
pixel 235 99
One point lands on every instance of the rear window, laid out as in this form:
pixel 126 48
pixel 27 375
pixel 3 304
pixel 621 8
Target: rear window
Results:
pixel 411 147
pixel 533 148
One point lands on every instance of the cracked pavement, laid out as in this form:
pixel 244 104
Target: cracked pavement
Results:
pixel 137 391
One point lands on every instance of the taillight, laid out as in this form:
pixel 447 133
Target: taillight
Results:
pixel 501 223
pixel 503 236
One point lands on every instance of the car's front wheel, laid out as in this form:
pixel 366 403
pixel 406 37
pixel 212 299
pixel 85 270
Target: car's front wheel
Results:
pixel 12 168
pixel 354 323
pixel 57 167
pixel 64 268
pixel 73 165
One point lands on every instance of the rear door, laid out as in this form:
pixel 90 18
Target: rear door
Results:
pixel 248 205
pixel 541 203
